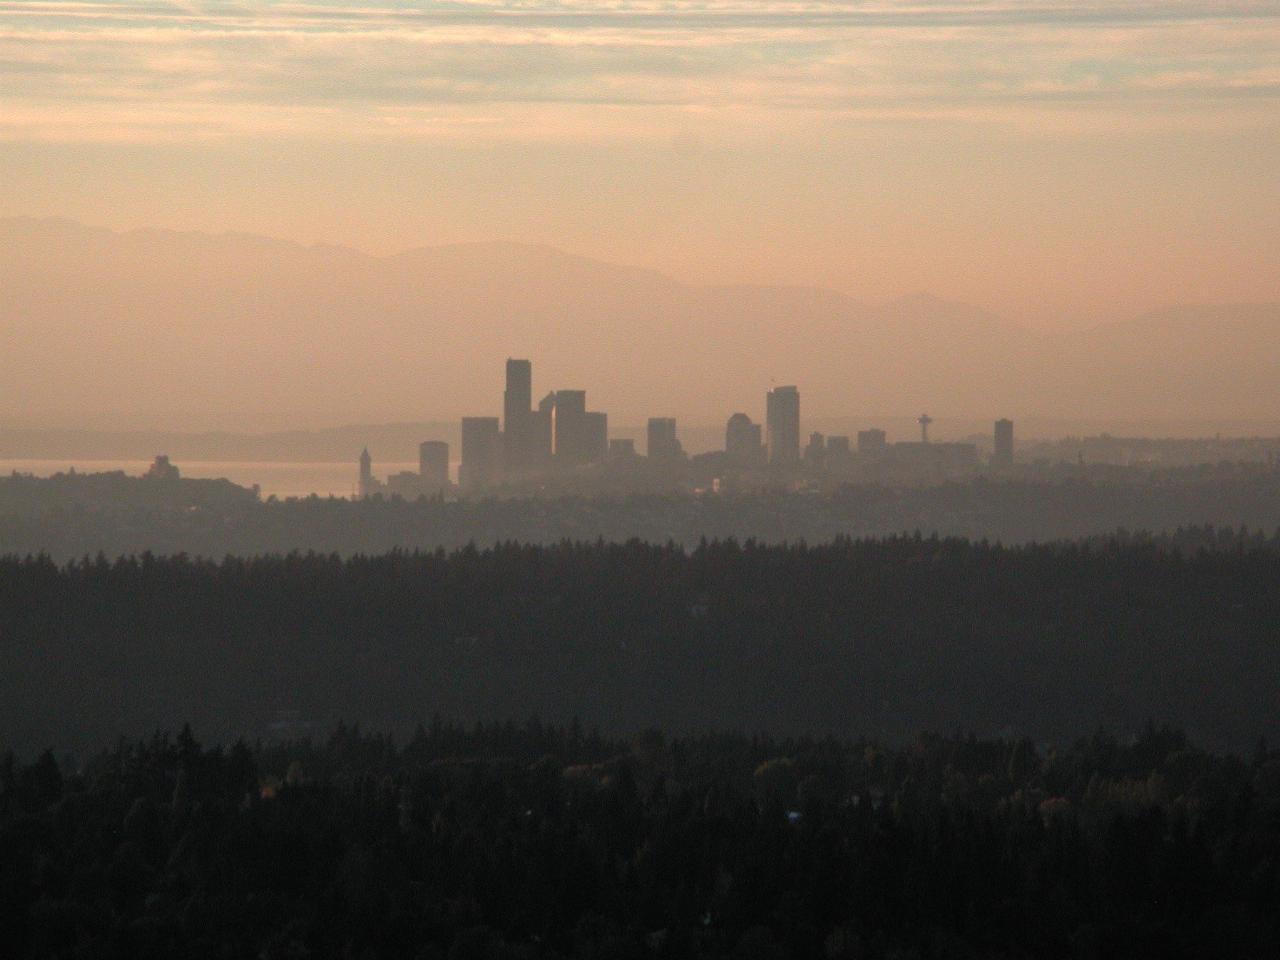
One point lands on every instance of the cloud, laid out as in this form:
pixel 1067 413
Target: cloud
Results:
pixel 148 70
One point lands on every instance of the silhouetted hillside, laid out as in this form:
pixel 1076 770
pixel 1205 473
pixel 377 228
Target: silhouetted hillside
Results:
pixel 542 842
pixel 877 637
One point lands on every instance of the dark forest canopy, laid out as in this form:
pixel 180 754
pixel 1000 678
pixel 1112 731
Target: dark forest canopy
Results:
pixel 533 841
pixel 880 637
pixel 73 516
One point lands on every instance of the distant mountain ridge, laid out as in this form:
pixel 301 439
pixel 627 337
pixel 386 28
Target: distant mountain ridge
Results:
pixel 148 320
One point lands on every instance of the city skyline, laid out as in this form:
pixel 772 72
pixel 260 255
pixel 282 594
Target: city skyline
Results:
pixel 527 448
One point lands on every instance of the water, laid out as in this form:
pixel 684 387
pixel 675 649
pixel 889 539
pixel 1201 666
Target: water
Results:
pixel 335 479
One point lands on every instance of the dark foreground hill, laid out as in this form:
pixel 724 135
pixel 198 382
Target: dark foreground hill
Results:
pixel 537 842
pixel 877 637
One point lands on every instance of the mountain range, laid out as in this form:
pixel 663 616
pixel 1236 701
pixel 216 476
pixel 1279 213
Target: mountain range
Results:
pixel 233 331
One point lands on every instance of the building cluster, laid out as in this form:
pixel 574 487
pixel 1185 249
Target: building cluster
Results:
pixel 560 444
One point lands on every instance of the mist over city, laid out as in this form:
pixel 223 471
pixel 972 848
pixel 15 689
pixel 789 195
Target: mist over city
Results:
pixel 650 479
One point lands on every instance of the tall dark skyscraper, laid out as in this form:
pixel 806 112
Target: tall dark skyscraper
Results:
pixel 1003 455
pixel 518 428
pixel 782 424
pixel 517 399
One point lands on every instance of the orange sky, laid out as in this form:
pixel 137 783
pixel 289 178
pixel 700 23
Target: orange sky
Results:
pixel 1056 163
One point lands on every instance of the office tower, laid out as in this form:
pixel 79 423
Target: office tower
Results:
pixel 596 436
pixel 782 424
pixel 543 439
pixel 481 453
pixel 872 443
pixel 663 444
pixel 517 414
pixel 1003 455
pixel 742 440
pixel 622 448
pixel 568 426
pixel 577 435
pixel 433 464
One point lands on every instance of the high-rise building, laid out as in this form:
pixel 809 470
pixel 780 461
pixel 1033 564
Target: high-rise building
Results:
pixel 1003 455
pixel 596 436
pixel 517 415
pixel 481 465
pixel 543 435
pixel 568 426
pixel 782 424
pixel 663 444
pixel 742 440
pixel 433 464
pixel 577 435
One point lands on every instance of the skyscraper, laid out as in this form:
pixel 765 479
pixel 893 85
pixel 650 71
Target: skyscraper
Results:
pixel 543 437
pixel 433 464
pixel 1003 455
pixel 517 415
pixel 663 444
pixel 782 424
pixel 595 436
pixel 481 465
pixel 568 426
pixel 577 435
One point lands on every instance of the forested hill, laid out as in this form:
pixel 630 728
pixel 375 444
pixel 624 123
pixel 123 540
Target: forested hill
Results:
pixel 71 517
pixel 534 842
pixel 883 638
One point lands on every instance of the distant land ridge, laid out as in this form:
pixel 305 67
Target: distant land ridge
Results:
pixel 125 324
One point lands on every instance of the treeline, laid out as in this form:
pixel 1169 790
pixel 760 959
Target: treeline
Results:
pixel 538 841
pixel 73 517
pixel 883 637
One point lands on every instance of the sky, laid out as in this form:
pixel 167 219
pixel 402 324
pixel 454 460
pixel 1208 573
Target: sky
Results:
pixel 1060 163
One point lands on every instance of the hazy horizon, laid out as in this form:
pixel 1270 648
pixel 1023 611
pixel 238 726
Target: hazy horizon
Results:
pixel 196 331
pixel 295 215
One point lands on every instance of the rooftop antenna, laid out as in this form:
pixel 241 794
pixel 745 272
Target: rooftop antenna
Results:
pixel 924 422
